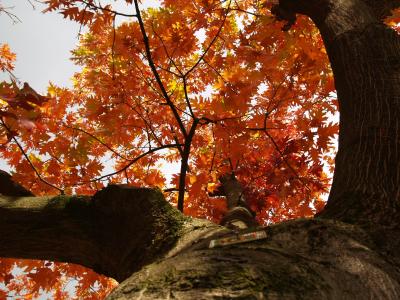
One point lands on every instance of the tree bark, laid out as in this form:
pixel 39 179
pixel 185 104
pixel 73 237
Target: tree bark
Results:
pixel 364 55
pixel 301 259
pixel 123 231
pixel 114 233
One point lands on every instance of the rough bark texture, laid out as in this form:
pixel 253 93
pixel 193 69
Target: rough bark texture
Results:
pixel 123 230
pixel 302 259
pixel 320 259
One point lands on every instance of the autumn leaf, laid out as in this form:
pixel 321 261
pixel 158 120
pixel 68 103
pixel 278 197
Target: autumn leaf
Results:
pixel 200 84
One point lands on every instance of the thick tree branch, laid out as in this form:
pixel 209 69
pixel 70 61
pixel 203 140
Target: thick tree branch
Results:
pixel 185 164
pixel 114 233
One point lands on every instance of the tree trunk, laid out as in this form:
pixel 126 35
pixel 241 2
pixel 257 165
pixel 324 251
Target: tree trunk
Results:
pixel 364 55
pixel 301 259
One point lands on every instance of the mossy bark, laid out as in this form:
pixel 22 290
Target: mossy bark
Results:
pixel 302 259
pixel 115 232
pixel 136 237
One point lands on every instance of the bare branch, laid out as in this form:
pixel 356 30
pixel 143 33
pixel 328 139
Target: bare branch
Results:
pixel 14 18
pixel 131 162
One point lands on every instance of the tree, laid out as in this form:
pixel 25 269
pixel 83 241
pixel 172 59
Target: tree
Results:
pixel 345 251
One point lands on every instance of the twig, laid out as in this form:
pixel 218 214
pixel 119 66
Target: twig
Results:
pixel 132 162
pixel 14 18
pixel 155 72
pixel 113 50
pixel 286 162
pixel 29 161
pixel 98 140
pixel 99 7
pixel 211 43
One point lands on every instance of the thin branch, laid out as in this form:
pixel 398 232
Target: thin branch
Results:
pixel 98 140
pixel 147 123
pixel 286 162
pixel 170 190
pixel 239 9
pixel 227 83
pixel 148 82
pixel 99 7
pixel 33 6
pixel 132 162
pixel 246 12
pixel 211 43
pixel 187 97
pixel 155 72
pixel 206 120
pixel 168 55
pixel 113 50
pixel 29 161
pixel 214 151
pixel 14 18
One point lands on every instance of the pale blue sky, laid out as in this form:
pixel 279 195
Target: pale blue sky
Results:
pixel 43 43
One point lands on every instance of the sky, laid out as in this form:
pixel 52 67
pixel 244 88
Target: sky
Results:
pixel 43 43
